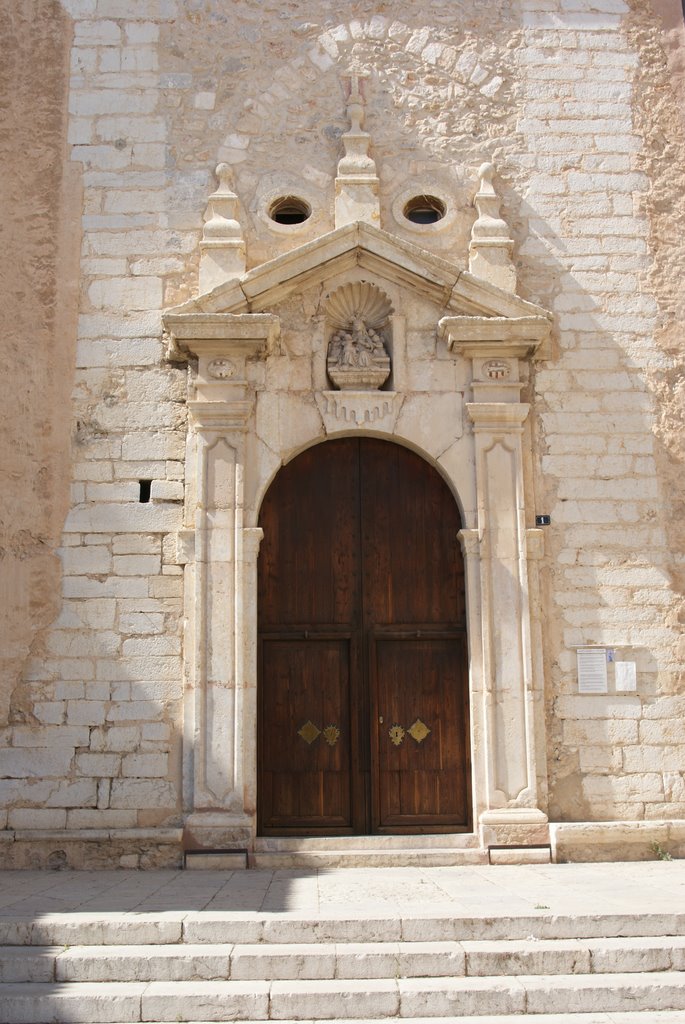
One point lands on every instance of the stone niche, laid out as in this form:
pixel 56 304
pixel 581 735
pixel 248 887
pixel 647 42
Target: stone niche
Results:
pixel 357 315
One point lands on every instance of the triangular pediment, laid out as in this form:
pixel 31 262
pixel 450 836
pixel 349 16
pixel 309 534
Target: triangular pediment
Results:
pixel 453 289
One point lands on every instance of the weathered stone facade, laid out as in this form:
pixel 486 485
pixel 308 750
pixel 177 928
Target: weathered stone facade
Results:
pixel 127 704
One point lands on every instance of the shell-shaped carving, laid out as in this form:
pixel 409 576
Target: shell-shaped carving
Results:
pixel 358 299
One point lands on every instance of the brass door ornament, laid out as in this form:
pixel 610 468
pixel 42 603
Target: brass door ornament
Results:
pixel 396 734
pixel 331 734
pixel 418 731
pixel 309 732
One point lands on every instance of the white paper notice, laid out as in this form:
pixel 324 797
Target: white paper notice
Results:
pixel 626 676
pixel 592 670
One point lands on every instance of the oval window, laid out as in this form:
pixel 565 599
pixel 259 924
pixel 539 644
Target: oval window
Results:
pixel 424 210
pixel 290 210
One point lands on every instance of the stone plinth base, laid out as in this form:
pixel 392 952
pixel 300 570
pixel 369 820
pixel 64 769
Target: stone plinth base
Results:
pixel 617 840
pixel 208 843
pixel 219 860
pixel 519 828
pixel 218 832
pixel 90 849
pixel 520 854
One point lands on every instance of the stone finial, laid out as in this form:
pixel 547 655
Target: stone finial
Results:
pixel 222 249
pixel 491 243
pixel 356 186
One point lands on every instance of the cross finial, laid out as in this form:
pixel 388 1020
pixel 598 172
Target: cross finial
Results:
pixel 356 186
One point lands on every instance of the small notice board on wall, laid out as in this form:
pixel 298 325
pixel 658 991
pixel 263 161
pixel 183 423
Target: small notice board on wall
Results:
pixel 605 670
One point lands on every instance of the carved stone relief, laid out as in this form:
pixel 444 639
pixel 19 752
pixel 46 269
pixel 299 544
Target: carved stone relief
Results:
pixel 357 356
pixel 359 408
pixel 221 369
pixel 497 369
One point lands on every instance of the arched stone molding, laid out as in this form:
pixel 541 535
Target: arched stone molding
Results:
pixel 245 423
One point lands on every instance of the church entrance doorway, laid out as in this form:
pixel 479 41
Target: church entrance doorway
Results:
pixel 363 674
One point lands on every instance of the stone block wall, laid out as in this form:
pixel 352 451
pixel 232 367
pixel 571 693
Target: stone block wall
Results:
pixel 572 100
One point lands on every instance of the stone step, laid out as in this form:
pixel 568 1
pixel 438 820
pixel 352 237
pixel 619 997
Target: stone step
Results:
pixel 279 853
pixel 283 962
pixel 93 1003
pixel 630 1017
pixel 360 858
pixel 168 928
pixel 221 927
pixel 308 844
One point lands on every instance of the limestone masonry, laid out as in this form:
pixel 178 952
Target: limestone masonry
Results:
pixel 236 230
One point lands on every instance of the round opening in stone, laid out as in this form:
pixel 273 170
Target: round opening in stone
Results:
pixel 290 210
pixel 424 210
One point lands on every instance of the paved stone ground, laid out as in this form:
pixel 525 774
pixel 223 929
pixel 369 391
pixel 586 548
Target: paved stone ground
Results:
pixel 636 887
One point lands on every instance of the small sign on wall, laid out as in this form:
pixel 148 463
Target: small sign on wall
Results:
pixel 592 670
pixel 625 676
pixel 599 671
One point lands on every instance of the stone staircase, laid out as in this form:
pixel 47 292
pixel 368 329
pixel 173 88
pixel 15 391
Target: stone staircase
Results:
pixel 221 966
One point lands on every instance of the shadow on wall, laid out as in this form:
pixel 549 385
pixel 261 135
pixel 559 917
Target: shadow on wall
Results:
pixel 607 577
pixel 39 269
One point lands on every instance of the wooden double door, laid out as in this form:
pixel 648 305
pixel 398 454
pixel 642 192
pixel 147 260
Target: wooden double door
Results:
pixel 363 694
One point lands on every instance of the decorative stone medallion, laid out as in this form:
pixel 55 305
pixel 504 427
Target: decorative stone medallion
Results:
pixel 221 369
pixel 496 369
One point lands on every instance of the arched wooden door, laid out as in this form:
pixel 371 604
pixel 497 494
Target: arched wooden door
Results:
pixel 363 692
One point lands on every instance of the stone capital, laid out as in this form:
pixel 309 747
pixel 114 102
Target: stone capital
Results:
pixel 212 335
pixel 470 542
pixel 498 416
pixel 252 539
pixel 220 417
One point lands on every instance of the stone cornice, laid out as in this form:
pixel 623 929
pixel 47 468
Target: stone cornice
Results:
pixel 476 336
pixel 359 244
pixel 204 334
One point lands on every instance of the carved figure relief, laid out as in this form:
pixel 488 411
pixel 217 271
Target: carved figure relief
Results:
pixel 357 357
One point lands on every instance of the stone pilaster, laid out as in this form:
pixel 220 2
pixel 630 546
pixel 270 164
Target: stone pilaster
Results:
pixel 470 546
pixel 220 660
pixel 507 669
pixel 504 646
pixel 246 666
